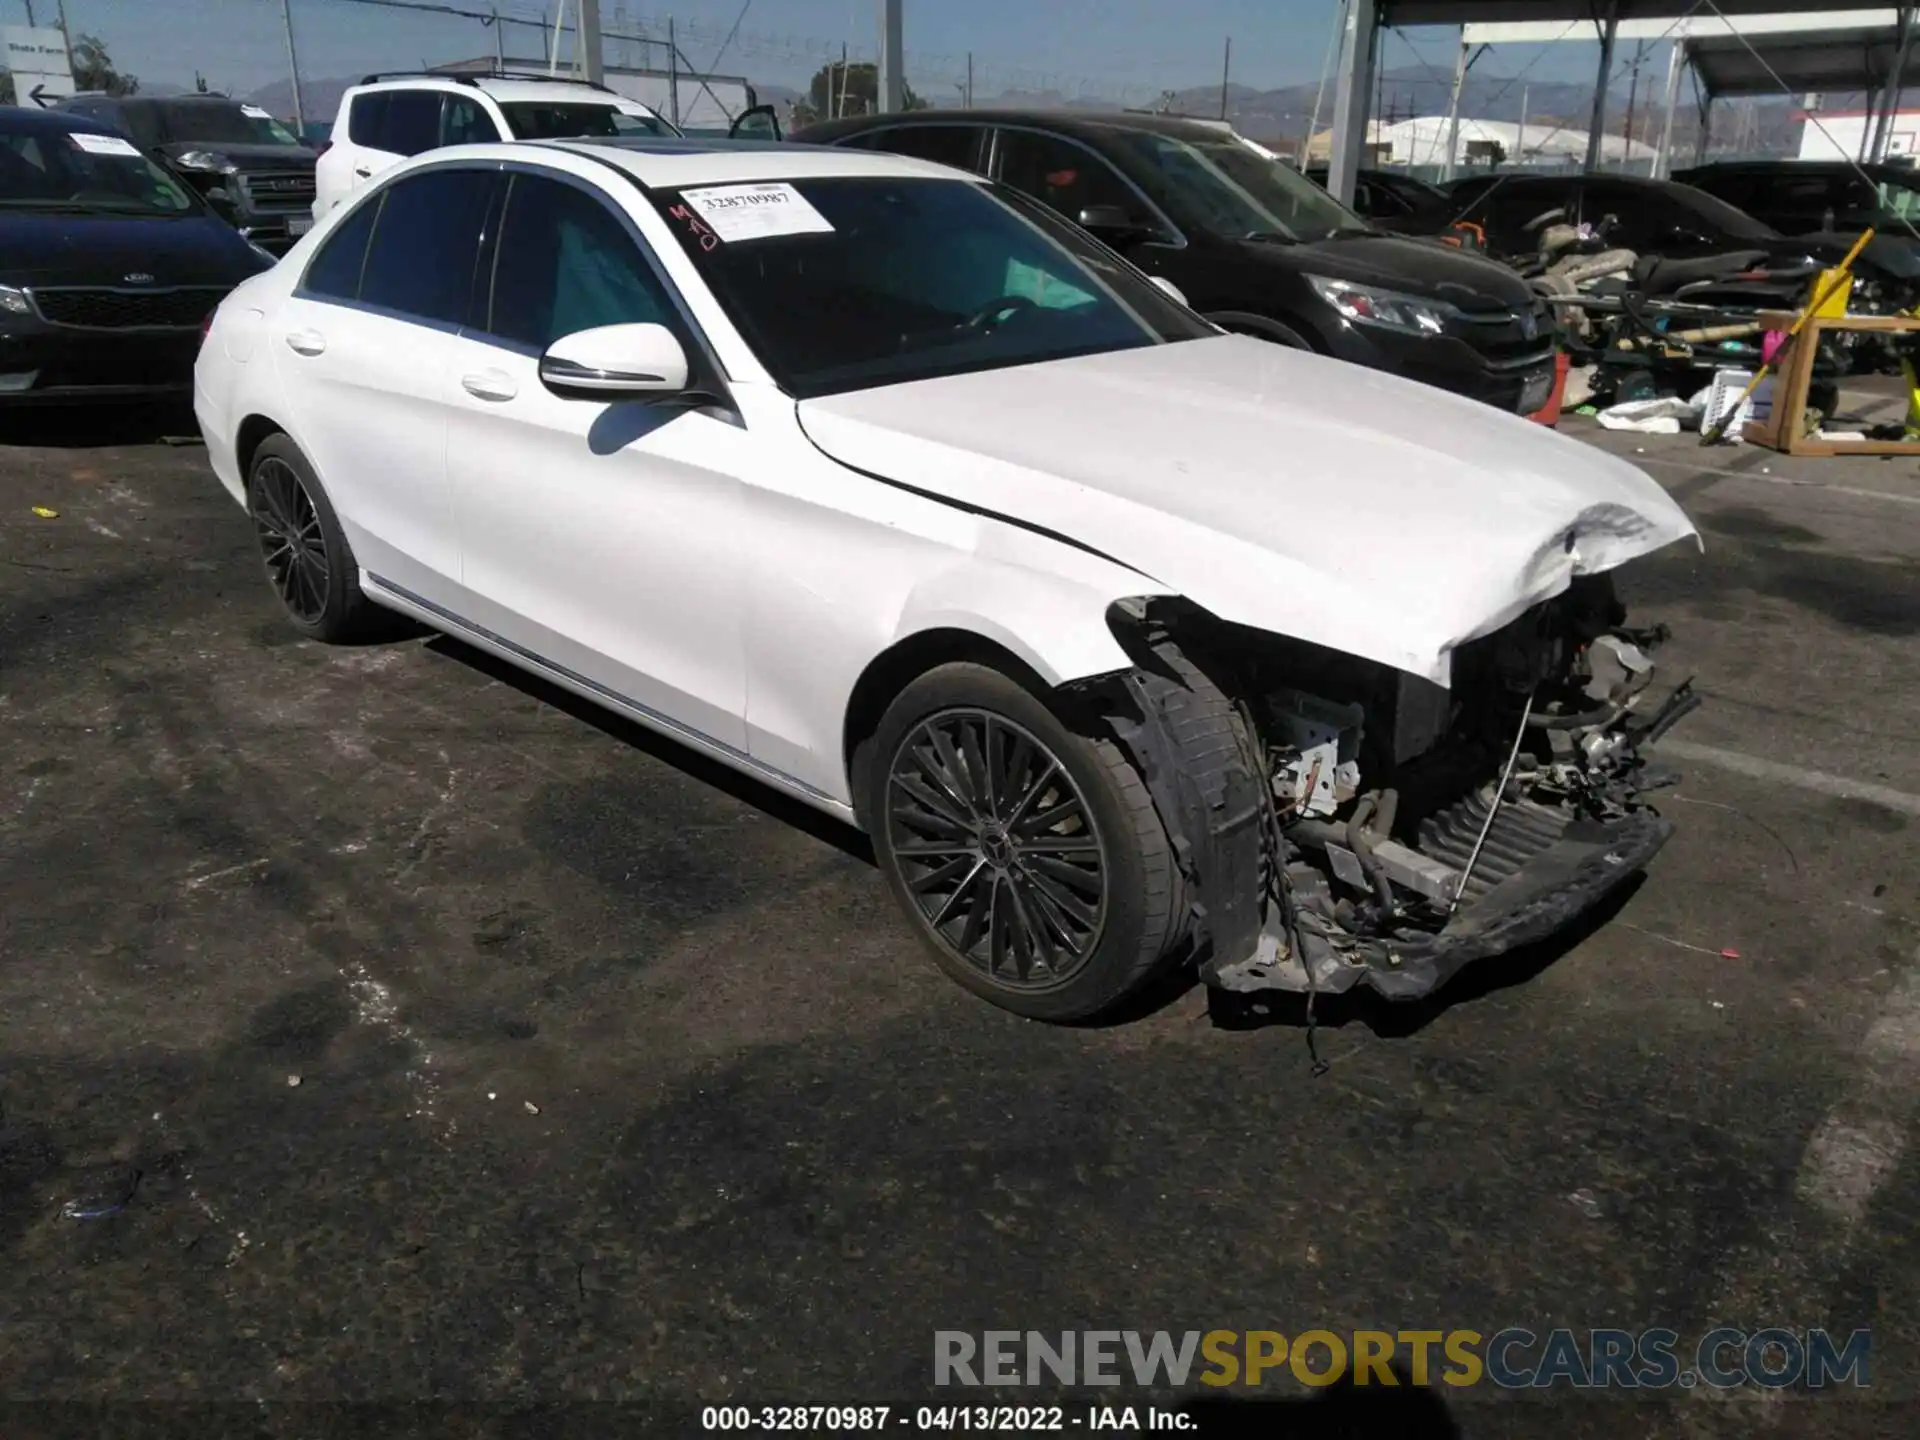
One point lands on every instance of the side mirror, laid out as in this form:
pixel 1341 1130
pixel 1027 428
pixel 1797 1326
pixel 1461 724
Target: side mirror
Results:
pixel 615 362
pixel 1109 220
pixel 1172 290
pixel 758 123
pixel 222 203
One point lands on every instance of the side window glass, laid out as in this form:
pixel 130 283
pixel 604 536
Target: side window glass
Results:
pixel 1062 175
pixel 367 119
pixel 955 145
pixel 463 122
pixel 413 121
pixel 335 271
pixel 421 259
pixel 566 263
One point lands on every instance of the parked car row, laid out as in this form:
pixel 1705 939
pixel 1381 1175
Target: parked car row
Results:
pixel 1252 244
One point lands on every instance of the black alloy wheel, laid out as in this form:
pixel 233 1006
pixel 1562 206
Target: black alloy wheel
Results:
pixel 303 548
pixel 291 540
pixel 1025 850
pixel 999 849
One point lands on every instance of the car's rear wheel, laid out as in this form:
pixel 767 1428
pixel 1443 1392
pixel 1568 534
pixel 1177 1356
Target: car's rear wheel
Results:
pixel 1028 857
pixel 302 547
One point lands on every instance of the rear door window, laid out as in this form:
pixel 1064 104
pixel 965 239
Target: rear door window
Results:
pixel 421 259
pixel 955 145
pixel 335 271
pixel 464 122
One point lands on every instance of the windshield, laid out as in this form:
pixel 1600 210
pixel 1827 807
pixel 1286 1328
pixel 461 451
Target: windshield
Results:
pixel 199 122
pixel 1722 216
pixel 540 120
pixel 1235 189
pixel 81 171
pixel 842 284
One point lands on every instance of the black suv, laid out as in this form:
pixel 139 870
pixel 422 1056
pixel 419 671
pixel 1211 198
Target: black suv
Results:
pixel 1805 197
pixel 1250 242
pixel 252 169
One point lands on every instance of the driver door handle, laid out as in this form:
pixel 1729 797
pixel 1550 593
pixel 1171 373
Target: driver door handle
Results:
pixel 363 174
pixel 306 342
pixel 489 385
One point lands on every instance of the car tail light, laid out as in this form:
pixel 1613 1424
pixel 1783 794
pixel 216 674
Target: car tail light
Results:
pixel 205 326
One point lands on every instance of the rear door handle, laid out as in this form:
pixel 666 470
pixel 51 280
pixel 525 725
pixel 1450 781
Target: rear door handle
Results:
pixel 306 342
pixel 489 385
pixel 363 174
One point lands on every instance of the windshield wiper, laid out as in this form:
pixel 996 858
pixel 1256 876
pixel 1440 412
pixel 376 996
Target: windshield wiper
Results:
pixel 53 207
pixel 1273 237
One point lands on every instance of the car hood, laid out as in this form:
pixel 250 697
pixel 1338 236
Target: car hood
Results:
pixel 1275 488
pixel 1419 267
pixel 50 249
pixel 249 156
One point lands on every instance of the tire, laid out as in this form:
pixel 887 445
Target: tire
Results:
pixel 986 885
pixel 303 550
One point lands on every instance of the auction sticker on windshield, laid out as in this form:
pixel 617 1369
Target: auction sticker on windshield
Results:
pixel 103 144
pixel 254 112
pixel 756 212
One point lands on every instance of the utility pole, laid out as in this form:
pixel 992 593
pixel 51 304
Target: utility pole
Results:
pixel 673 75
pixel 589 44
pixel 1526 92
pixel 1663 156
pixel 66 39
pixel 1460 67
pixel 293 65
pixel 969 80
pixel 892 77
pixel 1633 95
pixel 1596 126
pixel 499 44
pixel 1226 69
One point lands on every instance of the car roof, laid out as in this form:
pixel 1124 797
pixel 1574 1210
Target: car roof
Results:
pixel 664 163
pixel 507 87
pixel 1086 126
pixel 1810 167
pixel 26 119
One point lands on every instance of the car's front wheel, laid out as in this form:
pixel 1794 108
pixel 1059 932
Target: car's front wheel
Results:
pixel 1029 858
pixel 304 550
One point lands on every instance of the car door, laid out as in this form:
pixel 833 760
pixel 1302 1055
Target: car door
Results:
pixel 600 538
pixel 364 349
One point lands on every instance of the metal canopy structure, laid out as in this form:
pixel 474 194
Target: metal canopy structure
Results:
pixel 1604 21
pixel 1813 61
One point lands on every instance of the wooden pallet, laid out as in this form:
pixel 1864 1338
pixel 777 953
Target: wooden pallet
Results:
pixel 1793 378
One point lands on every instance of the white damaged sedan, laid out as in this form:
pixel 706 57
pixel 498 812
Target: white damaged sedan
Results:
pixel 1130 643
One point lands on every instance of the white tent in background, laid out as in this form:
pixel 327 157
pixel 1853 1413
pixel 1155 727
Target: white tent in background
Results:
pixel 1423 141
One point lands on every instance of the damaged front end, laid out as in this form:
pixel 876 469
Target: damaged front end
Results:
pixel 1340 822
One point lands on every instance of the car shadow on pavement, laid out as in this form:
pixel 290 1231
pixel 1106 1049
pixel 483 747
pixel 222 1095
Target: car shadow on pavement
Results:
pixel 688 761
pixel 1396 1019
pixel 91 427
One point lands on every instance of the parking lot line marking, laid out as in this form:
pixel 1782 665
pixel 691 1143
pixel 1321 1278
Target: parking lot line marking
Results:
pixel 1772 770
pixel 1694 468
pixel 199 880
pixel 1860 1141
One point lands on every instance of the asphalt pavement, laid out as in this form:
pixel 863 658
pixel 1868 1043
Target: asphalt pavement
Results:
pixel 378 1025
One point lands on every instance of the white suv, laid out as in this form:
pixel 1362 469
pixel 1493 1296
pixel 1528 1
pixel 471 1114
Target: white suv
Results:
pixel 385 119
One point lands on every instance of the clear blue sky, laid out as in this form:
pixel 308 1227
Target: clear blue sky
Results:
pixel 1098 46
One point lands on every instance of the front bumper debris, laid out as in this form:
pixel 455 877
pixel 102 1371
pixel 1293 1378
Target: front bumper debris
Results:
pixel 1572 876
